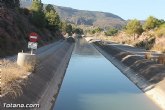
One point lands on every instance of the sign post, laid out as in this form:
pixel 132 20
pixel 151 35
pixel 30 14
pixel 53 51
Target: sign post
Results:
pixel 29 58
pixel 32 44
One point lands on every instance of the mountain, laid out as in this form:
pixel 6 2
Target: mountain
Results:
pixel 83 17
pixel 92 18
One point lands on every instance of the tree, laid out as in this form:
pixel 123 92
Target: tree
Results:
pixel 63 26
pixel 78 31
pixel 37 6
pixel 49 7
pixel 69 29
pixel 38 16
pixel 38 19
pixel 134 27
pixel 52 17
pixel 66 28
pixel 151 23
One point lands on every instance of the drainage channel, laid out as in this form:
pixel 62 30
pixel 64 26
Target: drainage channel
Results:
pixel 93 83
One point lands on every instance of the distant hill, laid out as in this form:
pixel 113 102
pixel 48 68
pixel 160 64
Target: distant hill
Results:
pixel 93 18
pixel 83 17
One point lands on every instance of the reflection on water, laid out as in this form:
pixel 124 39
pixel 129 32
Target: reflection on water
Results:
pixel 83 49
pixel 93 83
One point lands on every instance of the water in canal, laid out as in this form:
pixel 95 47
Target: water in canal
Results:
pixel 93 83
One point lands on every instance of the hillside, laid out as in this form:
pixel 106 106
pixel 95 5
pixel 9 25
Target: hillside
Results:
pixel 93 18
pixel 84 17
pixel 15 28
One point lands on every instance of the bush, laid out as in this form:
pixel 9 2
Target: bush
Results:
pixel 151 23
pixel 111 32
pixel 134 27
pixel 160 31
pixel 147 44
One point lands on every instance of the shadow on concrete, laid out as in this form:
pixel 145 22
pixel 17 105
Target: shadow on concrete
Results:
pixel 151 71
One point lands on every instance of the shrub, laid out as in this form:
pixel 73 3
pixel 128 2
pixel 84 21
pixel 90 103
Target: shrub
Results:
pixel 151 23
pixel 111 32
pixel 160 31
pixel 134 27
pixel 147 44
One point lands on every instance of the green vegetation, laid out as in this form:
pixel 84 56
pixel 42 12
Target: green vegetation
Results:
pixel 52 18
pixel 38 16
pixel 95 30
pixel 66 28
pixel 134 27
pixel 149 34
pixel 69 29
pixel 111 32
pixel 78 31
pixel 160 31
pixel 151 23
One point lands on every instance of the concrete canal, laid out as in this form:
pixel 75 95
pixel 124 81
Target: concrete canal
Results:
pixel 94 83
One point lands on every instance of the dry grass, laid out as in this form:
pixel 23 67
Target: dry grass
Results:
pixel 148 56
pixel 159 47
pixel 11 77
pixel 161 59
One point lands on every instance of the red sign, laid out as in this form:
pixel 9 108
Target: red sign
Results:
pixel 33 37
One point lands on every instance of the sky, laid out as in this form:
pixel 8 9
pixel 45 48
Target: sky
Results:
pixel 126 9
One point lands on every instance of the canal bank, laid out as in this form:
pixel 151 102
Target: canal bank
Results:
pixel 41 86
pixel 147 75
pixel 93 83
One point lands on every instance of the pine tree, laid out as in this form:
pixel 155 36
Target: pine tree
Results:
pixel 134 27
pixel 38 16
pixel 52 17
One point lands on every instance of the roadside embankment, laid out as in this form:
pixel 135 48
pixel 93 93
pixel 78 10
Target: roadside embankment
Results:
pixel 146 74
pixel 42 86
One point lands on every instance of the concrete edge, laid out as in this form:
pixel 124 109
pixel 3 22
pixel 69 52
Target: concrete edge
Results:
pixel 43 85
pixel 49 96
pixel 155 94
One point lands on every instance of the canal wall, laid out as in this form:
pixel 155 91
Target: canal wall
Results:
pixel 146 74
pixel 42 86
